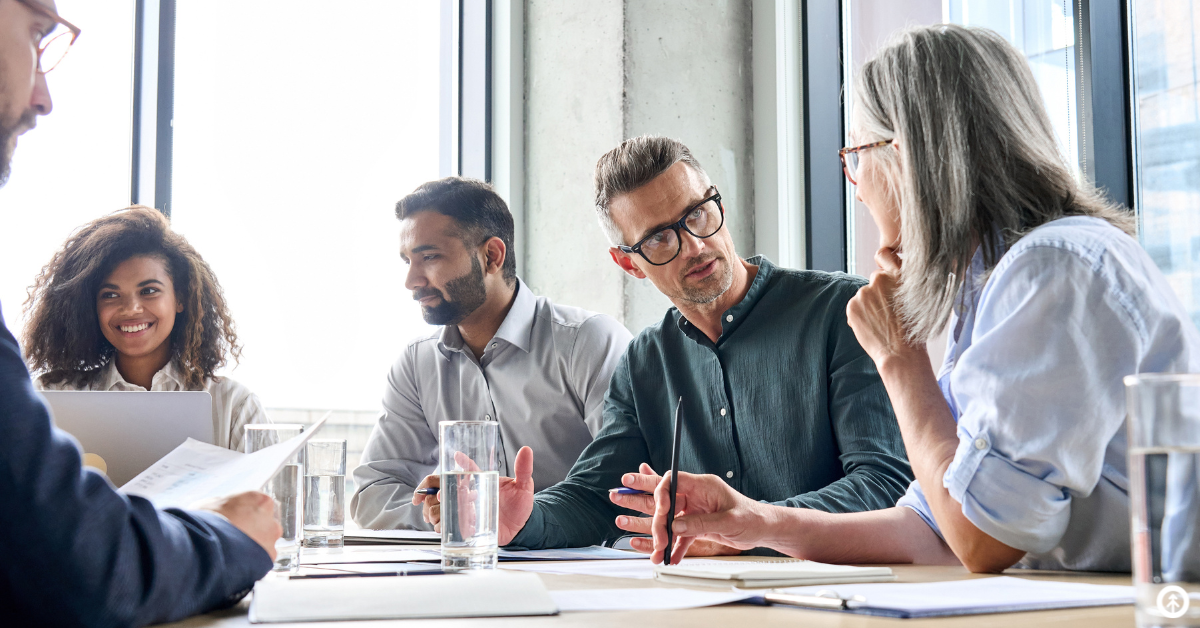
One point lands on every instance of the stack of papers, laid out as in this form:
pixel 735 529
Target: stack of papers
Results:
pixel 407 597
pixel 756 574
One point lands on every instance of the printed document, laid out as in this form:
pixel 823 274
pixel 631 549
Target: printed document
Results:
pixel 194 471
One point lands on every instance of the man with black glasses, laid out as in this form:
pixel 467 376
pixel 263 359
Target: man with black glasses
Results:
pixel 779 399
pixel 79 553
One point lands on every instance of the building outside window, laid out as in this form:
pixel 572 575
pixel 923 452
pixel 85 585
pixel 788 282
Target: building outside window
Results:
pixel 1166 111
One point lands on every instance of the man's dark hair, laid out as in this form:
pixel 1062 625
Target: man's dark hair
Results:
pixel 479 212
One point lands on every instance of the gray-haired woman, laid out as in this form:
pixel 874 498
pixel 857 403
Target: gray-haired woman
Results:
pixel 1018 445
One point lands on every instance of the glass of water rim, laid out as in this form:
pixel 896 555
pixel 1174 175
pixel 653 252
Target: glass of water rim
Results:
pixel 324 493
pixel 1164 497
pixel 470 480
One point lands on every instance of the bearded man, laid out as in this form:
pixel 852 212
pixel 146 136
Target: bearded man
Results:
pixel 779 400
pixel 503 354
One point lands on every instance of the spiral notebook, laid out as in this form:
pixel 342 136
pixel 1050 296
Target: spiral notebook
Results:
pixel 760 574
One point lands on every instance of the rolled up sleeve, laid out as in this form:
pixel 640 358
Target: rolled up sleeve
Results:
pixel 1040 395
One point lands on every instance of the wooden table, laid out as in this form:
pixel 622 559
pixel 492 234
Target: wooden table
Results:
pixel 737 615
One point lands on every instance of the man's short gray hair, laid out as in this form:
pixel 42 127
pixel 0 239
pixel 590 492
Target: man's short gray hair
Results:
pixel 636 162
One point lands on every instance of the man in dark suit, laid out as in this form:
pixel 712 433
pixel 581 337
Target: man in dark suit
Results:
pixel 78 552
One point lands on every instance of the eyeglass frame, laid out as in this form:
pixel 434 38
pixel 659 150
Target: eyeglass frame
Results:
pixel 857 149
pixel 38 7
pixel 676 226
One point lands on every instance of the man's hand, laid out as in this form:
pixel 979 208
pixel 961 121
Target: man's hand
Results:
pixel 647 480
pixel 707 509
pixel 251 512
pixel 431 505
pixel 516 499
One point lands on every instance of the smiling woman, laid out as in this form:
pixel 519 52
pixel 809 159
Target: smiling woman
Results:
pixel 127 304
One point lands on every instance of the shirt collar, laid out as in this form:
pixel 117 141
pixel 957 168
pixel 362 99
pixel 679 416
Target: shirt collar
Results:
pixel 516 329
pixel 167 378
pixel 732 318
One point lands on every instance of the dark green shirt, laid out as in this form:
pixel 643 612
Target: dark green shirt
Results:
pixel 786 407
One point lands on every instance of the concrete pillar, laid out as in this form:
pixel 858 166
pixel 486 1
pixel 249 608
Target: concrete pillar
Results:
pixel 574 113
pixel 599 72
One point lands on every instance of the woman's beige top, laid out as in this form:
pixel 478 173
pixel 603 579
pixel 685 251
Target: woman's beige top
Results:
pixel 233 405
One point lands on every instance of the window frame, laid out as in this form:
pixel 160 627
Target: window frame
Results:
pixel 1103 100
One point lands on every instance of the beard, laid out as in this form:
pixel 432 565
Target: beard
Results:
pixel 8 136
pixel 711 286
pixel 463 296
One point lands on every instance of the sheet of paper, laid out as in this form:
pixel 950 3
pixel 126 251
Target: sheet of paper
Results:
pixel 635 569
pixel 594 552
pixel 367 554
pixel 194 471
pixel 981 595
pixel 643 599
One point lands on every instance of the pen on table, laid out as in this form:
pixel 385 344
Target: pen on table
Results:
pixel 432 490
pixel 321 576
pixel 824 599
pixel 674 480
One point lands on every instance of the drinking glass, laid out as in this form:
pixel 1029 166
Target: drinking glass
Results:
pixel 324 493
pixel 284 488
pixel 1164 497
pixel 470 491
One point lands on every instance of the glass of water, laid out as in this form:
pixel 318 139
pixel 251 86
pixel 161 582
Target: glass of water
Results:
pixel 284 488
pixel 1164 497
pixel 469 493
pixel 324 493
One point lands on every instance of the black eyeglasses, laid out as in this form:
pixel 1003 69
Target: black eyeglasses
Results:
pixel 701 220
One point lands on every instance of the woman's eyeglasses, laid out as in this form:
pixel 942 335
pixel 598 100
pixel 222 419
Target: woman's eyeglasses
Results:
pixel 701 220
pixel 850 158
pixel 57 42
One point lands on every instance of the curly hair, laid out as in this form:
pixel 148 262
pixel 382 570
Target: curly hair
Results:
pixel 62 337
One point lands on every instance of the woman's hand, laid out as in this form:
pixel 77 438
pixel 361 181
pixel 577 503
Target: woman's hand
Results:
pixel 707 509
pixel 647 480
pixel 872 313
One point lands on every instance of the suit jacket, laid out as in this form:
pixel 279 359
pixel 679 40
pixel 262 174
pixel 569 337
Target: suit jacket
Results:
pixel 79 553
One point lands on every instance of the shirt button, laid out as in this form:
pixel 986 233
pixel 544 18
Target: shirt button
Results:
pixel 980 444
pixel 487 417
pixel 729 474
pixel 729 318
pixel 722 411
pixel 493 345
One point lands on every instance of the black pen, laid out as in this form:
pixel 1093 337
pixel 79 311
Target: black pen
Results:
pixel 674 480
pixel 432 490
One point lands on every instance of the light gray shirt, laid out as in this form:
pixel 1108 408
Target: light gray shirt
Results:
pixel 543 377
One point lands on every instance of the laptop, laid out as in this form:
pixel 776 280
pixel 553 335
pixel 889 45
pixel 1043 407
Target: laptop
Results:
pixel 130 430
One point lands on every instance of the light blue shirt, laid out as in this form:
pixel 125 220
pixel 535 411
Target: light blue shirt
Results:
pixel 1033 375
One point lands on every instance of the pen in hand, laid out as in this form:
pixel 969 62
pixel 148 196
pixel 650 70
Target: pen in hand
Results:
pixel 432 490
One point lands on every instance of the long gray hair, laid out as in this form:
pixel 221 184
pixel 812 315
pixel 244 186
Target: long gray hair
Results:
pixel 978 163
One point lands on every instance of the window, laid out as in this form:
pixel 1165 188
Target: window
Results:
pixel 1166 110
pixel 292 143
pixel 74 166
pixel 1042 29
